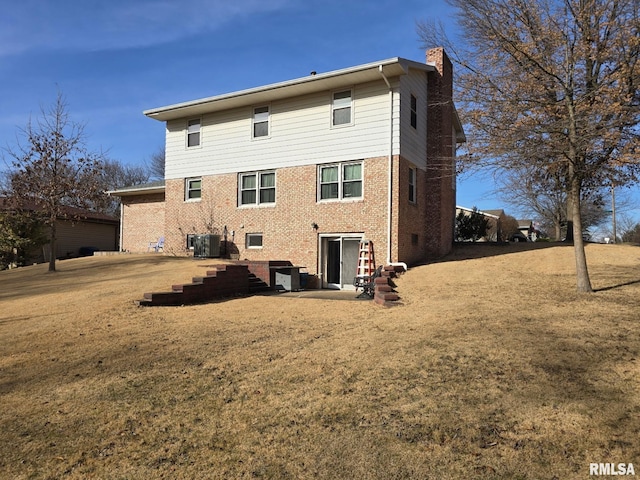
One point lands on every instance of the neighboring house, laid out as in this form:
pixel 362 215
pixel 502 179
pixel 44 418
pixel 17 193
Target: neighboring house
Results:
pixel 80 232
pixel 84 234
pixel 528 229
pixel 304 169
pixel 496 229
pixel 494 226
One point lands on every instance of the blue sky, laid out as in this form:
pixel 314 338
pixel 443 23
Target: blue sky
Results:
pixel 113 59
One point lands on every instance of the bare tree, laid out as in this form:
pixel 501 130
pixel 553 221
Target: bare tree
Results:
pixel 156 164
pixel 51 169
pixel 116 175
pixel 509 226
pixel 552 84
pixel 544 197
pixel 632 234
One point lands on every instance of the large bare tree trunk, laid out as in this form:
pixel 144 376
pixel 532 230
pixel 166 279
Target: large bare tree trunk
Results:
pixel 52 247
pixel 571 212
pixel 582 272
pixel 557 224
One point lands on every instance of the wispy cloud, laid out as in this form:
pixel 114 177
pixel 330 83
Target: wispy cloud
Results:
pixel 99 25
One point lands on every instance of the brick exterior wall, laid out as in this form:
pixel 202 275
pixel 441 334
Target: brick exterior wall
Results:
pixel 287 228
pixel 143 220
pixel 440 183
pixel 410 237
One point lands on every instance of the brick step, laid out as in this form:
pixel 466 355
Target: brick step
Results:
pixel 256 284
pixel 227 280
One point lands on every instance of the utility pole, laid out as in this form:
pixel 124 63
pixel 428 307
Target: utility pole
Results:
pixel 613 211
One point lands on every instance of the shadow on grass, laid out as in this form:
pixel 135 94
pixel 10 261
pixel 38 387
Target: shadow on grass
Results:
pixel 471 250
pixel 77 274
pixel 619 285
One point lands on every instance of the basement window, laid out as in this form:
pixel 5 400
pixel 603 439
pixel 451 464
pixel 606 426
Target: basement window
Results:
pixel 253 240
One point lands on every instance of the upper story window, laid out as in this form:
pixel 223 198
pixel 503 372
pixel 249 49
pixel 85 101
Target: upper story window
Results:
pixel 193 133
pixel 341 108
pixel 260 122
pixel 257 188
pixel 193 189
pixel 414 112
pixel 412 185
pixel 341 181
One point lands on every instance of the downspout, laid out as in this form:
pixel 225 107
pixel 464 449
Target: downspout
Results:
pixel 390 175
pixel 121 225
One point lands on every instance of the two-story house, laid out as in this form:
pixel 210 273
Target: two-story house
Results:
pixel 303 170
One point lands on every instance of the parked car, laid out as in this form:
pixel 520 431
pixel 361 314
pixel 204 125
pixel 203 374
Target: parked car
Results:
pixel 518 237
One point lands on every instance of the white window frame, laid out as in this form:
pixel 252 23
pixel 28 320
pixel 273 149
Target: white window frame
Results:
pixel 259 118
pixel 341 104
pixel 257 189
pixel 413 194
pixel 413 107
pixel 188 189
pixel 249 236
pixel 189 132
pixel 341 181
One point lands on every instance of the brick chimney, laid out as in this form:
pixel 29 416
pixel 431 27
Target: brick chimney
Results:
pixel 441 184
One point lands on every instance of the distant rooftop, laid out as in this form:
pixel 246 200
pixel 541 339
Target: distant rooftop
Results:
pixel 144 188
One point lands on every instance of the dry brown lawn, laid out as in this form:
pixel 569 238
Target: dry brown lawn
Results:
pixel 492 366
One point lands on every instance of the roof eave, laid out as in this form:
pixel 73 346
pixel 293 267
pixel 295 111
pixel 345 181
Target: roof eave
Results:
pixel 137 191
pixel 391 67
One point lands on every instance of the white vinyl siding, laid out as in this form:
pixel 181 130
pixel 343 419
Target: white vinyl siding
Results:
pixel 414 140
pixel 300 134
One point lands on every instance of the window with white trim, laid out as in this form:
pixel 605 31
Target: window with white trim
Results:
pixel 412 184
pixel 341 108
pixel 414 112
pixel 193 133
pixel 257 188
pixel 190 241
pixel 340 181
pixel 193 189
pixel 260 127
pixel 253 240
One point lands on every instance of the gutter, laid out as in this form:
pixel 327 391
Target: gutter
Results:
pixel 120 245
pixel 390 175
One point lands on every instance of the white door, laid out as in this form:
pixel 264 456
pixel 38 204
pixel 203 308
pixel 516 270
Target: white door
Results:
pixel 339 261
